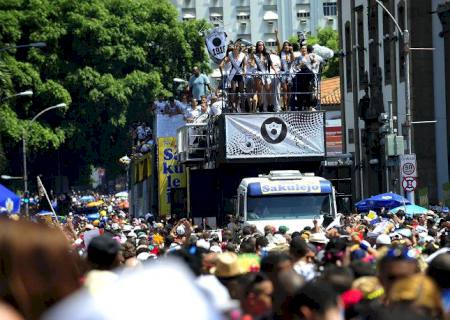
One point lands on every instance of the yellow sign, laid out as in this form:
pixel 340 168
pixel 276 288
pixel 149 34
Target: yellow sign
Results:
pixel 171 173
pixel 141 168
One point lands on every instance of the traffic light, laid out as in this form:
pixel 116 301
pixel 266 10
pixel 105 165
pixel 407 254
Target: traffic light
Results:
pixel 385 127
pixel 26 197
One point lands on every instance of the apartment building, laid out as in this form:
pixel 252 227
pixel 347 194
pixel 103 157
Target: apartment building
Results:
pixel 373 71
pixel 255 20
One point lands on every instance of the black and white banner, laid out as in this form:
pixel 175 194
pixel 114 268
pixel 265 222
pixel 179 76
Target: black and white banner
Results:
pixel 265 135
pixel 216 43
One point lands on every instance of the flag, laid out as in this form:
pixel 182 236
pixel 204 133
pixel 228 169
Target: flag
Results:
pixel 43 193
pixel 41 189
pixel 216 43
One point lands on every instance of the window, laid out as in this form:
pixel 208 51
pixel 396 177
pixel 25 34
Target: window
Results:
pixel 288 206
pixel 329 9
pixel 241 204
pixel 348 57
pixel 401 51
pixel 303 14
pixel 188 16
pixel 215 17
pixel 386 45
pixel 271 43
pixel 243 16
pixel 361 49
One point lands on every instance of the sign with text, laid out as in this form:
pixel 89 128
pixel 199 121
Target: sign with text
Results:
pixel 408 165
pixel 408 172
pixel 171 173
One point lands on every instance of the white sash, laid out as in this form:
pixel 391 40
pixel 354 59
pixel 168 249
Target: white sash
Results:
pixel 258 63
pixel 235 65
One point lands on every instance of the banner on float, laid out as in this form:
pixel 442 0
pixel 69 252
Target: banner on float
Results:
pixel 171 173
pixel 216 43
pixel 289 134
pixel 167 126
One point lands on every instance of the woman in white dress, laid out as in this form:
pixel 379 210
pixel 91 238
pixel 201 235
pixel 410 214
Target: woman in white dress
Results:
pixel 263 82
pixel 235 78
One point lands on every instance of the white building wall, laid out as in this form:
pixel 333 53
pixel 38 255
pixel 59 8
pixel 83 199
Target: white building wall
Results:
pixel 288 23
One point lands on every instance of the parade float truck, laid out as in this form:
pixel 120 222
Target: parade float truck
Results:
pixel 235 162
pixel 285 198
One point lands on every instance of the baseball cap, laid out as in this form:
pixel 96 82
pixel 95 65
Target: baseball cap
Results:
pixel 283 229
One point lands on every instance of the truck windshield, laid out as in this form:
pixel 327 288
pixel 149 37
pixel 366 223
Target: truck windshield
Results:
pixel 297 206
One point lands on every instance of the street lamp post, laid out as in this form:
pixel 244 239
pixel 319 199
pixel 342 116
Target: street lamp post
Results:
pixel 29 45
pixel 24 149
pixel 20 94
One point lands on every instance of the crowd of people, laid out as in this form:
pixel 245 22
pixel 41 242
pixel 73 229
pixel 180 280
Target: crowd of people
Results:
pixel 358 266
pixel 271 80
pixel 253 79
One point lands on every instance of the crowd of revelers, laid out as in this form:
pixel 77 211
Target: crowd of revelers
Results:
pixel 372 266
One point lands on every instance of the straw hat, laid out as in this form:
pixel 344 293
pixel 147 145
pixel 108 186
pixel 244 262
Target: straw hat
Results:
pixel 227 266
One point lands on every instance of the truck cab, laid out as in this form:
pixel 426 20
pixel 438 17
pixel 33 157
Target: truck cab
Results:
pixel 285 197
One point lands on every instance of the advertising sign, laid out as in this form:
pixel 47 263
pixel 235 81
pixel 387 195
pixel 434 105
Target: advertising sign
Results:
pixel 333 131
pixel 268 135
pixel 171 173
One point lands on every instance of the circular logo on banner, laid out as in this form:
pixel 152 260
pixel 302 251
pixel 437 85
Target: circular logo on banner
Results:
pixel 409 184
pixel 217 42
pixel 274 130
pixel 247 146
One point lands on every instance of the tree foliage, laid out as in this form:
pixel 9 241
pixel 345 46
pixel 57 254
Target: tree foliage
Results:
pixel 329 38
pixel 106 59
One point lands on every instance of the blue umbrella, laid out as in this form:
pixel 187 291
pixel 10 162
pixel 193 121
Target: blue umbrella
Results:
pixel 387 200
pixel 410 209
pixel 9 200
pixel 362 206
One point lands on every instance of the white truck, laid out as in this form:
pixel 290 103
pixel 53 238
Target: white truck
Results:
pixel 285 197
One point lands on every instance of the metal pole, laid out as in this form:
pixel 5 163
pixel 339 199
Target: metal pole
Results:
pixel 410 195
pixel 25 174
pixel 24 150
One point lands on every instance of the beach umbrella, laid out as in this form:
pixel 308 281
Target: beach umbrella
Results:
pixel 410 209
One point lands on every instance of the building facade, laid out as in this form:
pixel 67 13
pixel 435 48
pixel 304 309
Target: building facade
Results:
pixel 255 20
pixel 373 70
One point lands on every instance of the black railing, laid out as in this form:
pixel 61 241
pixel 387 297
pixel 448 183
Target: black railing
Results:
pixel 282 92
